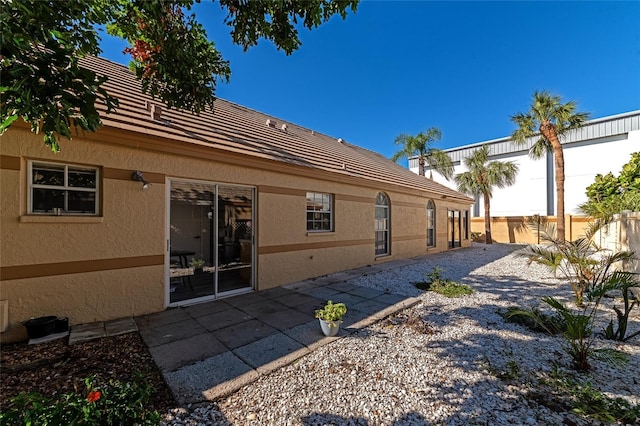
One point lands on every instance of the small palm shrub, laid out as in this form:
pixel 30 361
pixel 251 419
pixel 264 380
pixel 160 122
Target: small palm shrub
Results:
pixel 535 320
pixel 577 326
pixel 582 262
pixel 578 333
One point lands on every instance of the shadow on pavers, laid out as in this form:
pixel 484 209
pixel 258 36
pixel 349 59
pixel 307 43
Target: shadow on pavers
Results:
pixel 204 357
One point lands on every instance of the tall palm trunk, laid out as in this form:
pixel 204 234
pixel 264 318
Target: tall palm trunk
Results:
pixel 421 170
pixel 487 219
pixel 548 131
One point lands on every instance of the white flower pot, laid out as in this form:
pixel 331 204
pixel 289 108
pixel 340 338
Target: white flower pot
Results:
pixel 330 328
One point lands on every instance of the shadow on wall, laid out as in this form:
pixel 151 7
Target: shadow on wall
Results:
pixel 516 229
pixel 504 230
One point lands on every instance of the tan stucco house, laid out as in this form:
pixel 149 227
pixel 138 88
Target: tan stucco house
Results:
pixel 161 208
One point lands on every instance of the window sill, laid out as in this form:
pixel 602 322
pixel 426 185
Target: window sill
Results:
pixel 383 256
pixel 60 219
pixel 319 233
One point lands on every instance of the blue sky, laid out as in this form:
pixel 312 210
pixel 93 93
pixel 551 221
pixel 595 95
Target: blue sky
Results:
pixel 403 66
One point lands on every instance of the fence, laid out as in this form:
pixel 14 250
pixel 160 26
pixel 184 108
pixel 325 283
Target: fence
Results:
pixel 516 229
pixel 622 234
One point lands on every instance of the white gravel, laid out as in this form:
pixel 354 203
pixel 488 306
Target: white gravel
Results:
pixel 453 374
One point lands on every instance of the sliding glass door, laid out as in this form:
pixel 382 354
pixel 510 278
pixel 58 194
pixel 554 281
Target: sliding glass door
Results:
pixel 210 240
pixel 235 238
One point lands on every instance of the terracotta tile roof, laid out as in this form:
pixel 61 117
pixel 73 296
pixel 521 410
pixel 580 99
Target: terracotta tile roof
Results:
pixel 239 129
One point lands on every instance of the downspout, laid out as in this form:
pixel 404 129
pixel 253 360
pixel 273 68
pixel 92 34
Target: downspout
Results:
pixel 551 211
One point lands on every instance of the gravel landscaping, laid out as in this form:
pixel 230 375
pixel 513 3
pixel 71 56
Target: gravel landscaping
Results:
pixel 451 361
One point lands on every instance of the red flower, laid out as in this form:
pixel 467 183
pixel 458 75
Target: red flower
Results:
pixel 94 396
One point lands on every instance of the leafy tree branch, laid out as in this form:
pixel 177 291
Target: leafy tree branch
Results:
pixel 42 79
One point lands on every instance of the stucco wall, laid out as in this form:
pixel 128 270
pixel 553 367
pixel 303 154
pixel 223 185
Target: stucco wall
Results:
pixel 115 265
pixel 515 229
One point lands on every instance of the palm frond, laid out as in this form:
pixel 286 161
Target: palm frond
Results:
pixel 440 161
pixel 545 256
pixel 546 108
pixel 611 356
pixel 540 148
pixel 467 184
pixel 419 144
pixel 526 128
pixel 547 231
pixel 532 314
pixel 503 173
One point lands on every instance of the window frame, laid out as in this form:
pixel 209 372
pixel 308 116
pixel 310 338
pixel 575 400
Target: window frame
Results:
pixel 64 188
pixel 465 223
pixel 387 230
pixel 454 219
pixel 325 213
pixel 431 224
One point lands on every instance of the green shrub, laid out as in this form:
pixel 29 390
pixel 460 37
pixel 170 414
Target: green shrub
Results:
pixel 115 403
pixel 451 288
pixel 591 402
pixel 585 400
pixel 441 285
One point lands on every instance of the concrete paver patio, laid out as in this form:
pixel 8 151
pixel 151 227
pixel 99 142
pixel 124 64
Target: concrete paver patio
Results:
pixel 211 349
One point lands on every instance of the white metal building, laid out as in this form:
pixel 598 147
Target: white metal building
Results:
pixel 601 146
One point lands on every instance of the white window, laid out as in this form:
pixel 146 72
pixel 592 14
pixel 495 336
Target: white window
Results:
pixel 382 224
pixel 63 189
pixel 431 224
pixel 319 212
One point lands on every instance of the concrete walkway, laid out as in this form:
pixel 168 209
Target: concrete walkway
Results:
pixel 209 350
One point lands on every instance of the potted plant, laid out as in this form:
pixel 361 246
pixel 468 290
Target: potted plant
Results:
pixel 197 265
pixel 331 317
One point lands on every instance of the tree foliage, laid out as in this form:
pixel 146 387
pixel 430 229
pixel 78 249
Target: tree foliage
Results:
pixel 482 176
pixel 611 194
pixel 549 120
pixel 421 145
pixel 42 43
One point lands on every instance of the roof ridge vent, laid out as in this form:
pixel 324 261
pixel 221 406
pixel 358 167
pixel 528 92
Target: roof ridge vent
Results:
pixel 154 109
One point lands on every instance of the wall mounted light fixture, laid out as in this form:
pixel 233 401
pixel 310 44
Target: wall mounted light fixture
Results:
pixel 138 177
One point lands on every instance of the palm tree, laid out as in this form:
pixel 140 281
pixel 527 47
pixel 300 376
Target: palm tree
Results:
pixel 481 177
pixel 549 119
pixel 420 145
